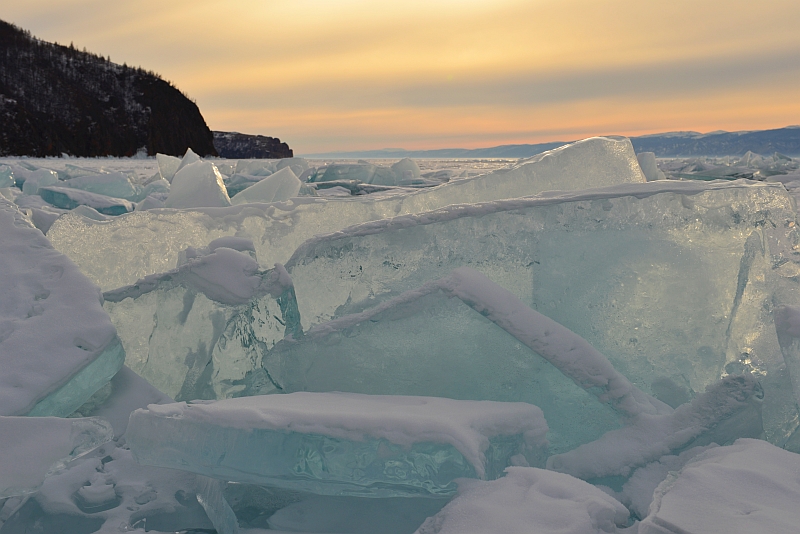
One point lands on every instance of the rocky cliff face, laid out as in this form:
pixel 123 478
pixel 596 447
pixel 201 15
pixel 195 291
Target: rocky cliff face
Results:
pixel 56 99
pixel 235 145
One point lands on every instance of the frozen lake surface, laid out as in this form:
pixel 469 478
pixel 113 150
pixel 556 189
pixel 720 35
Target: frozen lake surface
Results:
pixel 584 341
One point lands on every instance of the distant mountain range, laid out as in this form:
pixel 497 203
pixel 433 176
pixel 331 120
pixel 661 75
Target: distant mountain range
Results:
pixel 671 144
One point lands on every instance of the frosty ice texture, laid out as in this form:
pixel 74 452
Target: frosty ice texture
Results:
pixel 751 486
pixel 528 500
pixel 36 447
pixel 669 280
pixel 340 444
pixel 118 252
pixel 57 345
pixel 201 330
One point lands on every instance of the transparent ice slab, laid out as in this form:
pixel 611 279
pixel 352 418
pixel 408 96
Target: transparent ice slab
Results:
pixel 114 184
pixel 340 444
pixel 57 344
pixel 68 198
pixel 464 337
pixel 34 448
pixel 672 281
pixel 118 252
pixel 201 330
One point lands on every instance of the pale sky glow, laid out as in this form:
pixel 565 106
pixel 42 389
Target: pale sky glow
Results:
pixel 358 74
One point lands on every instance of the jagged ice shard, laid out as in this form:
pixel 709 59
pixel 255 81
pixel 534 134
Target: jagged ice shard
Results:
pixel 118 252
pixel 672 281
pixel 57 345
pixel 341 443
pixel 651 324
pixel 200 331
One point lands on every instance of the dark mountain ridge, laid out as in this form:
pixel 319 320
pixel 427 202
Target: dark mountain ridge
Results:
pixel 235 145
pixel 55 99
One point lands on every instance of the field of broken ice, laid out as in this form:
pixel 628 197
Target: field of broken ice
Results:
pixel 584 341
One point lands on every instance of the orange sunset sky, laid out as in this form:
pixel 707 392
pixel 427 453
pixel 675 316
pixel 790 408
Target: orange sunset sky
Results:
pixel 355 74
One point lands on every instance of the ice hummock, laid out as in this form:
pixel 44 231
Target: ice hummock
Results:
pixel 341 443
pixel 57 345
pixel 667 279
pixel 540 362
pixel 200 331
pixel 102 249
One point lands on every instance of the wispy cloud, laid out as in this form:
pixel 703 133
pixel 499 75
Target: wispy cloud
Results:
pixel 356 73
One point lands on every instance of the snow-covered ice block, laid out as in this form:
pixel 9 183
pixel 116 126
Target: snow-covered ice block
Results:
pixel 167 166
pixel 525 501
pixel 197 184
pixel 471 355
pixel 277 187
pixel 57 345
pixel 107 491
pixel 114 184
pixel 671 280
pixel 728 410
pixel 35 180
pixel 750 486
pixel 36 447
pixel 201 330
pixel 69 198
pixel 341 443
pixel 637 491
pixel 103 250
pixel 647 161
